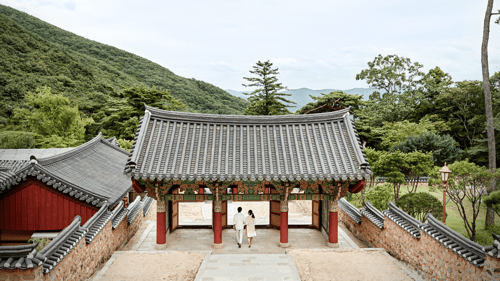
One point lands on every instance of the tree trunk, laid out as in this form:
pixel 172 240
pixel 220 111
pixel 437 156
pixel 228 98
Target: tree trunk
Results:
pixel 490 213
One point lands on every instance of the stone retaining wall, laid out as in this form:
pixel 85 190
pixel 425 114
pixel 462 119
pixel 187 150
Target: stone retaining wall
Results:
pixel 85 259
pixel 427 256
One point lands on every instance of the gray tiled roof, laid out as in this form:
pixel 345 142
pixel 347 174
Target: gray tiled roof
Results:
pixel 453 240
pixel 91 172
pixel 24 154
pixel 405 221
pixel 179 145
pixel 350 210
pixel 23 257
pixel 133 209
pixel 118 214
pixel 373 214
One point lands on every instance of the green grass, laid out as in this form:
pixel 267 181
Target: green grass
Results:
pixel 453 219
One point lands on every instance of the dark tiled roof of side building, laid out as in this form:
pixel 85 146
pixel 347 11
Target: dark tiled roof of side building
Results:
pixel 91 172
pixel 191 146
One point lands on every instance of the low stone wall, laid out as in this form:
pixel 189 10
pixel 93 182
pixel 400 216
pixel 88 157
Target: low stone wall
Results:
pixel 426 255
pixel 84 259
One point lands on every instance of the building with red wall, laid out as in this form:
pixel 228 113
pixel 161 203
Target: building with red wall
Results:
pixel 44 189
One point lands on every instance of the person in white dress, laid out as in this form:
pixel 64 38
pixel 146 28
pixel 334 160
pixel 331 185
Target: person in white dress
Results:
pixel 239 226
pixel 250 227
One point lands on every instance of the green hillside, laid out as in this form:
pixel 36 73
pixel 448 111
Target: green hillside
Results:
pixel 34 53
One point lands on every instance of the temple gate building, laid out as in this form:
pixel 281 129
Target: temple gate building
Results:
pixel 177 156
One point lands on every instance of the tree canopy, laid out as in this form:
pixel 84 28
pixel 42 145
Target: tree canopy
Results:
pixel 52 117
pixel 266 99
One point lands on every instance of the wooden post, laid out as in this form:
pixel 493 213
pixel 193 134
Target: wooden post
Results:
pixel 217 219
pixel 284 224
pixel 445 183
pixel 284 218
pixel 161 227
pixel 333 224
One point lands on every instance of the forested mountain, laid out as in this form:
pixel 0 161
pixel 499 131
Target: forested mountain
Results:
pixel 34 53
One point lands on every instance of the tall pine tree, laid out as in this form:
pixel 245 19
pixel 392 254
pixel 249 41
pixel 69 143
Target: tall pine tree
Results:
pixel 266 99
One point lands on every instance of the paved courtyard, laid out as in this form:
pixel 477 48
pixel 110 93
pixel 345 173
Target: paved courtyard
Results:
pixel 266 242
pixel 265 260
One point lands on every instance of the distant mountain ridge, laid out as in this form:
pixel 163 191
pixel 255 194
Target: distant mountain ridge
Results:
pixel 301 96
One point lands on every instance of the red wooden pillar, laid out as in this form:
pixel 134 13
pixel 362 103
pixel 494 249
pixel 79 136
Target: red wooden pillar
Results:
pixel 284 224
pixel 161 227
pixel 333 225
pixel 217 224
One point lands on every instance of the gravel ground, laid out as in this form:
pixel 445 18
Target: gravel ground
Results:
pixel 178 266
pixel 346 264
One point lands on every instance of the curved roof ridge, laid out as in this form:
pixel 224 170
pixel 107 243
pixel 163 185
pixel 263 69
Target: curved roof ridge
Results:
pixel 117 148
pixel 72 152
pixel 246 119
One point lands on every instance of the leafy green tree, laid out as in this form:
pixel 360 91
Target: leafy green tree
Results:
pixel 399 80
pixel 121 119
pixel 266 99
pixel 393 133
pixel 492 158
pixel 390 166
pixel 16 140
pixel 52 117
pixel 125 144
pixel 345 100
pixel 466 185
pixel 443 148
pixel 392 74
pixel 380 195
pixel 492 200
pixel 434 83
pixel 419 204
pixel 417 164
pixel 396 167
pixel 462 108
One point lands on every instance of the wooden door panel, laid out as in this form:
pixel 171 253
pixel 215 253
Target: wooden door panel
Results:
pixel 274 214
pixel 224 214
pixel 316 214
pixel 175 213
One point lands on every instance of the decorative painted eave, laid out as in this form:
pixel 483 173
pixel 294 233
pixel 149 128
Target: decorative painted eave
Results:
pixel 188 146
pixel 373 214
pixel 405 221
pixel 454 241
pixel 350 210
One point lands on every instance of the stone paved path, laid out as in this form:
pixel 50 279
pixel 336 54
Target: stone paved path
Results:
pixel 249 267
pixel 266 242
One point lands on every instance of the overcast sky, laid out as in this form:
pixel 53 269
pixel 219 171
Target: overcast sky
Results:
pixel 315 44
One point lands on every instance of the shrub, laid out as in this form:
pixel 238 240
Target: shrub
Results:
pixel 125 144
pixel 42 242
pixel 380 195
pixel 17 140
pixel 419 204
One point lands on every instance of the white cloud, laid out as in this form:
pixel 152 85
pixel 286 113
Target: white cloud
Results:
pixel 315 44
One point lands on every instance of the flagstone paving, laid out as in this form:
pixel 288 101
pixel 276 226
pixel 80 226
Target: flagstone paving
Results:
pixel 265 260
pixel 266 242
pixel 251 267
